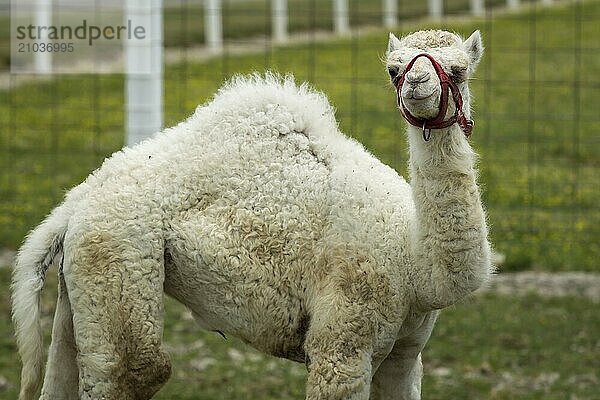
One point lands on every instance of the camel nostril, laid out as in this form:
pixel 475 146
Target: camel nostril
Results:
pixel 417 76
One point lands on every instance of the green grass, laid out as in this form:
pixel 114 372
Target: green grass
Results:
pixel 536 95
pixel 492 347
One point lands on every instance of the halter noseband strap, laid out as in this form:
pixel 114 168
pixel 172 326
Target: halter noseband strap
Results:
pixel 438 121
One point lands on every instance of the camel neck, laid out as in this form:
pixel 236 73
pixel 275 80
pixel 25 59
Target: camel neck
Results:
pixel 449 232
pixel 446 152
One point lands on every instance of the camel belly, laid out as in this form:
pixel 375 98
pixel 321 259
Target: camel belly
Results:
pixel 283 338
pixel 268 318
pixel 245 274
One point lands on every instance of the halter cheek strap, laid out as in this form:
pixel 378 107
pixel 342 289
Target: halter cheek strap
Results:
pixel 438 121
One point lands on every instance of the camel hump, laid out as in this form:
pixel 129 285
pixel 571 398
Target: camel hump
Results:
pixel 271 101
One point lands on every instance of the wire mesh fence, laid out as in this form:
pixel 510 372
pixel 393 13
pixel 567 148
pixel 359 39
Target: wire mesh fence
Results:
pixel 535 105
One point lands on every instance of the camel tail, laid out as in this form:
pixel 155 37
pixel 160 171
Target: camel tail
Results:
pixel 41 248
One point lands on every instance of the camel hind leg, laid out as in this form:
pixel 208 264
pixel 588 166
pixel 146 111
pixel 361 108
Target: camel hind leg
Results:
pixel 116 295
pixel 62 374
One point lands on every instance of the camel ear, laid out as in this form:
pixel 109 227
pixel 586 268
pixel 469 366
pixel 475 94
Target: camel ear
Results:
pixel 393 44
pixel 474 48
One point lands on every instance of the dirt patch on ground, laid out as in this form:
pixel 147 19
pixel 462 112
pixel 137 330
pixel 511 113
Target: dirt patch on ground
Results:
pixel 546 284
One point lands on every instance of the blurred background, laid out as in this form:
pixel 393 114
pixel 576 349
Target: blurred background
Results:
pixel 535 334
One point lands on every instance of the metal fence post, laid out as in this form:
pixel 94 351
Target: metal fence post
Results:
pixel 513 3
pixel 477 7
pixel 213 24
pixel 436 9
pixel 43 17
pixel 279 20
pixel 390 13
pixel 144 72
pixel 340 16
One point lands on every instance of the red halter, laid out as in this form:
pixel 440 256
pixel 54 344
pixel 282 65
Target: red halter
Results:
pixel 438 121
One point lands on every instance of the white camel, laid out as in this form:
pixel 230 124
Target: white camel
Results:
pixel 272 226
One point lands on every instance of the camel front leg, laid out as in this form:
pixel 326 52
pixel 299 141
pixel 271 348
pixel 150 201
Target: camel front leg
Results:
pixel 338 369
pixel 338 351
pixel 399 375
pixel 398 379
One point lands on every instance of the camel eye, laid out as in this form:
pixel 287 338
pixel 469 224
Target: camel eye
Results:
pixel 393 71
pixel 458 74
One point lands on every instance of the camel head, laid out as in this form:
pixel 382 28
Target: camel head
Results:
pixel 420 63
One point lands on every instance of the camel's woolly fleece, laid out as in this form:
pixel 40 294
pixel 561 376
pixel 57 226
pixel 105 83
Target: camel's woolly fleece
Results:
pixel 270 225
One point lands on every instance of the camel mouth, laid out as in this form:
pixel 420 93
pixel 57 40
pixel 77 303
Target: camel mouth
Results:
pixel 419 97
pixel 422 103
pixel 419 94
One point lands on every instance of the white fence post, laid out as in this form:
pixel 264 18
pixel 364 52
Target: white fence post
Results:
pixel 279 20
pixel 436 9
pixel 390 13
pixel 340 16
pixel 213 24
pixel 513 3
pixel 144 72
pixel 43 17
pixel 477 7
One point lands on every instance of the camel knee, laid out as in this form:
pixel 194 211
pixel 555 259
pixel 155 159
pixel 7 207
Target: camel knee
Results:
pixel 148 372
pixel 137 375
pixel 336 373
pixel 338 382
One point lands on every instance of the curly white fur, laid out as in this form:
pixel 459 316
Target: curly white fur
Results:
pixel 270 225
